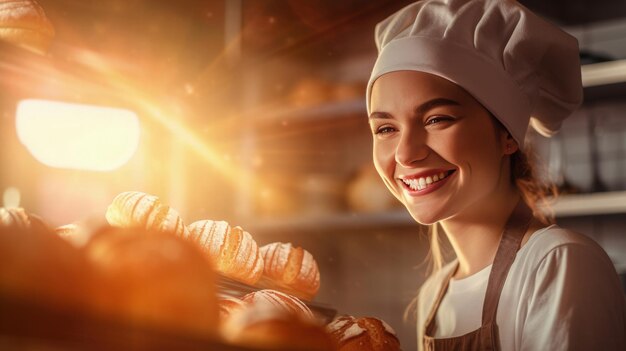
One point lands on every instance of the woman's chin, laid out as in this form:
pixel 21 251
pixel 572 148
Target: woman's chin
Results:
pixel 423 217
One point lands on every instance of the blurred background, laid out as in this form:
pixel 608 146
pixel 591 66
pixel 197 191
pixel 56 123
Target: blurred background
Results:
pixel 253 112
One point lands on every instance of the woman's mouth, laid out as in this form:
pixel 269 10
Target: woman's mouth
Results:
pixel 423 183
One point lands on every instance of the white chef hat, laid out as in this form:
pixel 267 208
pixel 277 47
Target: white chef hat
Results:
pixel 517 65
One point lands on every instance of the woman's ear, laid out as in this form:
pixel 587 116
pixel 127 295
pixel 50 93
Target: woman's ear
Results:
pixel 510 146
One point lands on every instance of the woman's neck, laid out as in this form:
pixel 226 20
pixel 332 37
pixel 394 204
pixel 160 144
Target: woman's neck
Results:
pixel 475 233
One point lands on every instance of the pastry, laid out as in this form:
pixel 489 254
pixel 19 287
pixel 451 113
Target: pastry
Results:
pixel 24 23
pixel 137 209
pixel 272 299
pixel 16 217
pixel 291 269
pixel 363 334
pixel 228 306
pixel 232 250
pixel 260 327
pixel 154 279
pixel 39 267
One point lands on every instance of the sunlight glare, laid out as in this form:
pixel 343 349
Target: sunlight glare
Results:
pixel 77 136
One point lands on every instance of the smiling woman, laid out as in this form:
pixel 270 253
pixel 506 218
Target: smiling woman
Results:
pixel 448 114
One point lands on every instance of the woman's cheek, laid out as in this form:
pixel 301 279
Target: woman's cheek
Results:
pixel 385 164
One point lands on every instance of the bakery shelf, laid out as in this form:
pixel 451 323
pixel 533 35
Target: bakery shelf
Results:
pixel 565 206
pixel 330 110
pixel 597 78
pixel 339 221
pixel 590 204
pixel 603 73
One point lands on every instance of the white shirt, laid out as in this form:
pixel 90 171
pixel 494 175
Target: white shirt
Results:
pixel 561 293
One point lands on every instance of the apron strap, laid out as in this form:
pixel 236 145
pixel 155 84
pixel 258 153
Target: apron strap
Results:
pixel 430 321
pixel 510 243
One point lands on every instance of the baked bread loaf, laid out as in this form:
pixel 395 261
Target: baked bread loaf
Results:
pixel 154 279
pixel 276 300
pixel 14 217
pixel 17 217
pixel 232 250
pixel 66 230
pixel 363 334
pixel 137 209
pixel 260 327
pixel 228 306
pixel 290 269
pixel 24 23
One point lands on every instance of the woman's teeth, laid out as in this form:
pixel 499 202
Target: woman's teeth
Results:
pixel 425 182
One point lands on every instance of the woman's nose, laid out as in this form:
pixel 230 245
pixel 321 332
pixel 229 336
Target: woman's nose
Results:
pixel 411 148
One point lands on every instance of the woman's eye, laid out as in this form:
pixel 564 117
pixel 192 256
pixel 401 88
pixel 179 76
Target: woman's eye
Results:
pixel 437 119
pixel 384 130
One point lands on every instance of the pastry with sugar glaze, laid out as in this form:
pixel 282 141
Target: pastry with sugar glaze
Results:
pixel 232 250
pixel 290 269
pixel 137 209
pixel 228 306
pixel 363 334
pixel 272 299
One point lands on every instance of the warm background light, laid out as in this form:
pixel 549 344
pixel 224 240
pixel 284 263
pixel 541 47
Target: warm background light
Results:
pixel 11 197
pixel 77 136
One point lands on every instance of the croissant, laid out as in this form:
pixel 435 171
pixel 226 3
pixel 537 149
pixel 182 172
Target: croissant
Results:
pixel 363 334
pixel 290 269
pixel 137 209
pixel 233 251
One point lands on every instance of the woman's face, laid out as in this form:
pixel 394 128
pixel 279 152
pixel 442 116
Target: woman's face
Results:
pixel 436 148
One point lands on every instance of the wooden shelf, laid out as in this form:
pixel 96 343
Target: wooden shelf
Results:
pixel 565 206
pixel 327 111
pixel 333 222
pixel 590 204
pixel 603 73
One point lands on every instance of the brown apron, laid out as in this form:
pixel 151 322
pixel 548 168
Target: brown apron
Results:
pixel 486 337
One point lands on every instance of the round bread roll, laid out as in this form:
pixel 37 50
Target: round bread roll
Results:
pixel 38 266
pixel 272 299
pixel 154 278
pixel 363 334
pixel 24 23
pixel 290 269
pixel 260 327
pixel 232 250
pixel 137 209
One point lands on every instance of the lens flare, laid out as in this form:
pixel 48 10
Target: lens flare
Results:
pixel 77 136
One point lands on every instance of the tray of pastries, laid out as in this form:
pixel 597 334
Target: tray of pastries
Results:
pixel 148 281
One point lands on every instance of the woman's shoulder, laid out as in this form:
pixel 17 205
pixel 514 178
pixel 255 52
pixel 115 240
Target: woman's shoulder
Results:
pixel 557 243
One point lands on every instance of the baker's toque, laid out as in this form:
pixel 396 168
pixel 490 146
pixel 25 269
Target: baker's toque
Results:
pixel 521 68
